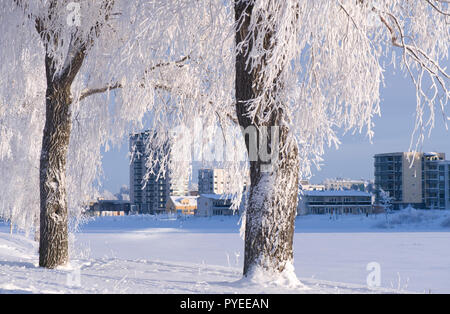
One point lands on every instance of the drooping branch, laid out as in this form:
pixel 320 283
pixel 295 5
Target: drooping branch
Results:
pixel 178 63
pixel 426 64
pixel 414 52
pixel 348 14
pixel 434 6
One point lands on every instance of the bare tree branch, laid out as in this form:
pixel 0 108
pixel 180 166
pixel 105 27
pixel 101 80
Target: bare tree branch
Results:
pixel 412 51
pixel 91 91
pixel 434 6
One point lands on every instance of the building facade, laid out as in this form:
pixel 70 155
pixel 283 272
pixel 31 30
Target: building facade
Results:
pixel 182 205
pixel 179 186
pixel 443 199
pixel 213 181
pixel 109 208
pixel 214 204
pixel 335 202
pixel 148 191
pixel 417 179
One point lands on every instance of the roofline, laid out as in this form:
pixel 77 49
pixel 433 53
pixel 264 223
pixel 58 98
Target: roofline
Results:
pixel 401 153
pixel 391 154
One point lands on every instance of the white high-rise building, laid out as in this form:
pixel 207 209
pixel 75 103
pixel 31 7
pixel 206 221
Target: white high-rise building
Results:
pixel 213 181
pixel 179 187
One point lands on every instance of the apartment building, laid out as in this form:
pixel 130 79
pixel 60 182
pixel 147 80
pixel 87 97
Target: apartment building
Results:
pixel 444 175
pixel 213 181
pixel 436 184
pixel 417 179
pixel 150 196
pixel 179 186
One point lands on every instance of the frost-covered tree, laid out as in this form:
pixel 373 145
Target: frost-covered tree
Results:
pixel 83 74
pixel 310 68
pixel 290 73
pixel 385 201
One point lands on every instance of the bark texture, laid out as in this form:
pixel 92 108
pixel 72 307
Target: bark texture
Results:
pixel 272 203
pixel 53 239
pixel 53 244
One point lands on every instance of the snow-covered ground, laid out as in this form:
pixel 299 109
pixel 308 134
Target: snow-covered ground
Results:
pixel 147 254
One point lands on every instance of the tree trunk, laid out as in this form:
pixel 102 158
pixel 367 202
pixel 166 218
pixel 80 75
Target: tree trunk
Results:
pixel 271 212
pixel 53 239
pixel 272 202
pixel 53 242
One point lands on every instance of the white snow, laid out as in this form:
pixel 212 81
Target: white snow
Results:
pixel 148 254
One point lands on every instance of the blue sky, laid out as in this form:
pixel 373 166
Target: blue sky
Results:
pixel 354 158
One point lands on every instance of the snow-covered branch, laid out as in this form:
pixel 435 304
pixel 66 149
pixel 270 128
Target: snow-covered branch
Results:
pixel 439 9
pixel 91 91
pixel 437 89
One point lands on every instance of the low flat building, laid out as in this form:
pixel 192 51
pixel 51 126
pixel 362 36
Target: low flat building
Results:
pixel 335 202
pixel 182 205
pixel 214 204
pixel 109 208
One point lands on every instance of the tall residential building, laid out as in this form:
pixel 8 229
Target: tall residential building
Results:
pixel 417 179
pixel 150 196
pixel 436 182
pixel 444 183
pixel 213 181
pixel 179 186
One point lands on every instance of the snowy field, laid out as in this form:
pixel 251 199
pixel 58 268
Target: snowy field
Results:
pixel 148 254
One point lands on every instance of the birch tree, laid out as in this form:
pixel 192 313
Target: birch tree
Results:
pixel 310 68
pixel 290 74
pixel 62 62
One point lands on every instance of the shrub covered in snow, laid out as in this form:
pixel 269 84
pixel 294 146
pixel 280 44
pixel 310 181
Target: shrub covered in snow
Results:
pixel 446 223
pixel 414 217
